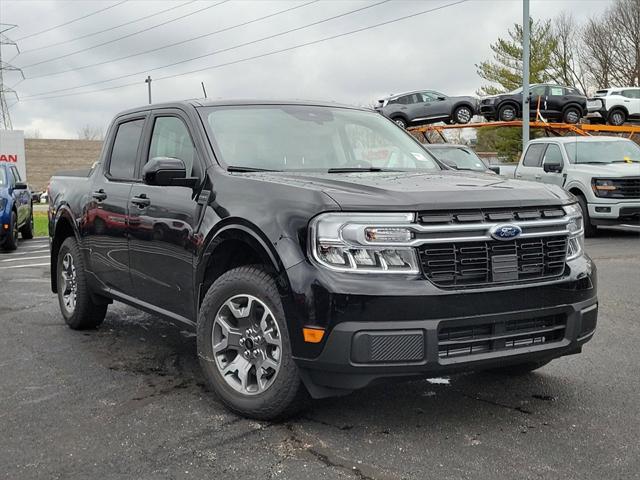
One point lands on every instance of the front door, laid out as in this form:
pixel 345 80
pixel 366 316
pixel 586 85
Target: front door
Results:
pixel 553 155
pixel 163 223
pixel 105 222
pixel 21 196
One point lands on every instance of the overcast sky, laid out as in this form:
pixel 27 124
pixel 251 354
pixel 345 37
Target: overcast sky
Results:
pixel 437 50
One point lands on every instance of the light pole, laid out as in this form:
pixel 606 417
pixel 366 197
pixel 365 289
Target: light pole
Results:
pixel 526 41
pixel 148 82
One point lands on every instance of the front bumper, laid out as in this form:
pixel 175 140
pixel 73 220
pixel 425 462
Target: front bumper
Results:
pixel 615 213
pixel 390 328
pixel 488 112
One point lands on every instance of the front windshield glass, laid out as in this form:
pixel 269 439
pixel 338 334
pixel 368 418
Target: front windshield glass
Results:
pixel 463 158
pixel 3 178
pixel 302 137
pixel 605 151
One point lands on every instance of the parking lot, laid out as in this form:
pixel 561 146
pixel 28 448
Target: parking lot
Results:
pixel 128 401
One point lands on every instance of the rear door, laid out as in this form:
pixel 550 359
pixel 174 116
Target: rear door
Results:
pixel 557 98
pixel 539 99
pixel 106 222
pixel 631 100
pixel 530 168
pixel 164 220
pixel 435 107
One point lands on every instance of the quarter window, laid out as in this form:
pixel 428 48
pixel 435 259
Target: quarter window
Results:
pixel 125 150
pixel 533 157
pixel 171 138
pixel 557 91
pixel 631 93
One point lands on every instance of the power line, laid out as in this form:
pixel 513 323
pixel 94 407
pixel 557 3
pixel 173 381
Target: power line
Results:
pixel 5 117
pixel 215 52
pixel 243 24
pixel 125 36
pixel 254 57
pixel 70 21
pixel 108 29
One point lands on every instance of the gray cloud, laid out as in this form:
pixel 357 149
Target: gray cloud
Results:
pixel 437 50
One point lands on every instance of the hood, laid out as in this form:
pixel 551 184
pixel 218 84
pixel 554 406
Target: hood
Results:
pixel 608 170
pixel 414 191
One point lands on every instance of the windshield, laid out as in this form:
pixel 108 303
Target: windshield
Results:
pixel 302 137
pixel 463 158
pixel 605 151
pixel 3 178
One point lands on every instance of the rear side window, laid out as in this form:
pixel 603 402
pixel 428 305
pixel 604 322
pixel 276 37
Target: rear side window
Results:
pixel 631 93
pixel 125 150
pixel 533 157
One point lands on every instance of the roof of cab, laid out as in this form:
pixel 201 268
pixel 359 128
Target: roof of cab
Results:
pixel 574 139
pixel 203 102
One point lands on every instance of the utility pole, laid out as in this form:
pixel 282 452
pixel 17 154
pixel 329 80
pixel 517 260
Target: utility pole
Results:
pixel 5 118
pixel 148 82
pixel 526 43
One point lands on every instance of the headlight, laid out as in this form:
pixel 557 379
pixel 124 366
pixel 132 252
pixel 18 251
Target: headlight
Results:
pixel 576 229
pixel 363 242
pixel 489 101
pixel 603 187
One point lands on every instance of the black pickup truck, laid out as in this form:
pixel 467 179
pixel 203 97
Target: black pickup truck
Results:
pixel 317 248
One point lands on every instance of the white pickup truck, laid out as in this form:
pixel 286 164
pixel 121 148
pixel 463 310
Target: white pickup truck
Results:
pixel 603 172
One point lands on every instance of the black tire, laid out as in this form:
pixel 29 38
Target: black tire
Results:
pixel 401 122
pixel 27 229
pixel 520 368
pixel 86 314
pixel 617 117
pixel 11 237
pixel 462 114
pixel 590 230
pixel 507 113
pixel 286 395
pixel 571 115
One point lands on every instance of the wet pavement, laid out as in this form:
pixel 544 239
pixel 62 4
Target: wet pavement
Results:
pixel 128 401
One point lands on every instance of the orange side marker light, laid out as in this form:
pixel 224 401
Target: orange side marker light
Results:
pixel 313 335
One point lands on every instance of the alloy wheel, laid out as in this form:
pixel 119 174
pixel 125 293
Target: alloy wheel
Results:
pixel 69 282
pixel 617 118
pixel 572 116
pixel 247 344
pixel 463 115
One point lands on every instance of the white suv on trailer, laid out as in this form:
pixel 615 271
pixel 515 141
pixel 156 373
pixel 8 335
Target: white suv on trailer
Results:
pixel 616 105
pixel 602 172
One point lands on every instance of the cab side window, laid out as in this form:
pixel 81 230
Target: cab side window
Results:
pixel 124 153
pixel 533 157
pixel 552 155
pixel 171 138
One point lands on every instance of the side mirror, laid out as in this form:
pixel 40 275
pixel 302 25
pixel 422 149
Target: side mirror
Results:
pixel 552 167
pixel 495 168
pixel 20 186
pixel 167 172
pixel 450 164
pixel 442 98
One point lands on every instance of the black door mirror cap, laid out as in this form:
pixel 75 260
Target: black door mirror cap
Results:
pixel 20 186
pixel 167 172
pixel 495 168
pixel 552 167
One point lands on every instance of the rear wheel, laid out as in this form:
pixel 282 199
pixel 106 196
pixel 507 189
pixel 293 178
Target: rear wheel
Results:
pixel 590 230
pixel 462 114
pixel 27 230
pixel 617 117
pixel 79 310
pixel 11 236
pixel 244 347
pixel 507 113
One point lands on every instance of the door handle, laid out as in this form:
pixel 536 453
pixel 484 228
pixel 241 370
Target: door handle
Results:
pixel 99 195
pixel 518 175
pixel 538 177
pixel 141 201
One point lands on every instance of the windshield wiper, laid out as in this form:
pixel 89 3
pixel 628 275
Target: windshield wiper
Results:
pixel 235 168
pixel 357 169
pixel 626 161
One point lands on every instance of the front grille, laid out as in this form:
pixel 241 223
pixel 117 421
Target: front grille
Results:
pixel 625 188
pixel 473 339
pixel 489 215
pixel 468 264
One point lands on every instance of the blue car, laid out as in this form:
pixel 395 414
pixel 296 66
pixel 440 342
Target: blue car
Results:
pixel 16 211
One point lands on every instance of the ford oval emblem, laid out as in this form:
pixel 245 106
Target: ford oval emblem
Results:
pixel 506 232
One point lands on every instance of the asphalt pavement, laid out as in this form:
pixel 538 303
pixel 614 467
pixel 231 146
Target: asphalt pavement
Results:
pixel 127 401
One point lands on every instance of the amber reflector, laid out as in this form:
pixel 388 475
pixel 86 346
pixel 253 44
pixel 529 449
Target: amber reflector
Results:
pixel 313 335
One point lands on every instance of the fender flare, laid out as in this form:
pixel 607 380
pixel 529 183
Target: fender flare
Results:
pixel 63 212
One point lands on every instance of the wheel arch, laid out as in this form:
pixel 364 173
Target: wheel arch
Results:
pixel 513 103
pixel 63 226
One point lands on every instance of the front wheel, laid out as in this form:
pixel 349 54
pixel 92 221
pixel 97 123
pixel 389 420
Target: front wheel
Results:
pixel 11 236
pixel 507 113
pixel 79 310
pixel 571 115
pixel 462 115
pixel 400 122
pixel 617 117
pixel 244 346
pixel 590 230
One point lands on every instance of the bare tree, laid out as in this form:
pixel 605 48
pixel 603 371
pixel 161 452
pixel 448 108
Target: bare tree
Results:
pixel 90 132
pixel 35 133
pixel 566 66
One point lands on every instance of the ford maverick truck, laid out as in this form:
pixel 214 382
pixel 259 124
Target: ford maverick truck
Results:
pixel 316 249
